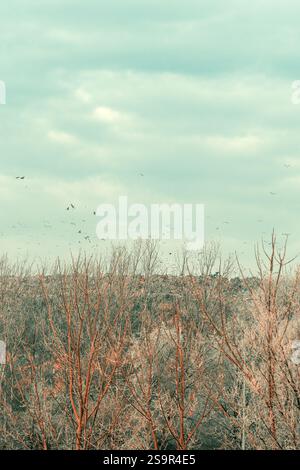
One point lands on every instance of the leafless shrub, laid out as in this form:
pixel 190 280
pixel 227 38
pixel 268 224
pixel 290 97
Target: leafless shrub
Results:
pixel 113 354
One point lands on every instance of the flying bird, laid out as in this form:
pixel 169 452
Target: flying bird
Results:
pixel 20 177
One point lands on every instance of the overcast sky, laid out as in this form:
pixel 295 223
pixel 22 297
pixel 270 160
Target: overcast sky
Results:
pixel 194 95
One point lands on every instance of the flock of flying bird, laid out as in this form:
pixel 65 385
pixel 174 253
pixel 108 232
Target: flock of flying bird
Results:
pixel 87 238
pixel 70 207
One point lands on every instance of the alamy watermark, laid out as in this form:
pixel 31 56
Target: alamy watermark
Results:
pixel 2 352
pixel 295 97
pixel 125 221
pixel 295 357
pixel 2 92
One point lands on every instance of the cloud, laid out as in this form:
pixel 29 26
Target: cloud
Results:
pixel 105 114
pixel 62 137
pixel 82 95
pixel 196 96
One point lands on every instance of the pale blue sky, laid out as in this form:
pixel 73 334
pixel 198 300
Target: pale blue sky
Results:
pixel 195 95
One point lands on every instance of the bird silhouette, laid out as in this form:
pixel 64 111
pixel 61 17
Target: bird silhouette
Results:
pixel 20 177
